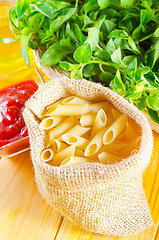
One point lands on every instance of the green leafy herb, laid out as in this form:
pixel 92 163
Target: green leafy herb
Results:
pixel 115 42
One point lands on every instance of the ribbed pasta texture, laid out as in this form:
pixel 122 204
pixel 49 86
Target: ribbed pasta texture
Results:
pixel 102 198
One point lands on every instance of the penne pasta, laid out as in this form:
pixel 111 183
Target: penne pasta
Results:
pixel 87 120
pixel 130 132
pixel 77 130
pixel 95 107
pixel 121 137
pixel 109 114
pixel 74 100
pixel 50 122
pixel 99 122
pixel 79 152
pixel 86 135
pixel 68 110
pixel 60 156
pixel 59 130
pixel 130 148
pixel 95 144
pixel 58 145
pixel 108 158
pixel 80 142
pixel 113 147
pixel 75 160
pixel 47 155
pixel 116 114
pixel 115 129
pixel 54 104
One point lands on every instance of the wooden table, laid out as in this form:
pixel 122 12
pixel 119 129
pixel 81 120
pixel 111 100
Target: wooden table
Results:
pixel 25 215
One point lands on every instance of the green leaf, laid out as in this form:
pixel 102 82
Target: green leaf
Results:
pixel 153 115
pixel 137 33
pixel 13 18
pixel 93 38
pixel 21 7
pixel 118 34
pixel 90 6
pixel 126 3
pixel 153 102
pixel 57 23
pixel 103 55
pixel 116 56
pixel 79 73
pixel 109 25
pixel 145 16
pixel 135 95
pixel 118 81
pixel 128 59
pixel 83 54
pixel 133 45
pixel 133 64
pixel 156 33
pixel 99 22
pixel 24 47
pixel 156 55
pixel 152 79
pixel 106 77
pixel 70 33
pixel 56 52
pixel 141 105
pixel 104 3
pixel 43 8
pixel 66 66
pixel 110 47
pixel 79 34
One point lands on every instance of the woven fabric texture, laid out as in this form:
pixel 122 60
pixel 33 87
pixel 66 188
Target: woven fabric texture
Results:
pixel 101 198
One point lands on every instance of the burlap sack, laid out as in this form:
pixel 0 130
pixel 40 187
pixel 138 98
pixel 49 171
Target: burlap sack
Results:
pixel 106 199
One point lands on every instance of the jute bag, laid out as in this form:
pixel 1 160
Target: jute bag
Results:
pixel 102 198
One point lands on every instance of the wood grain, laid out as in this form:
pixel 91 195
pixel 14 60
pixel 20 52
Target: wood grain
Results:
pixel 24 214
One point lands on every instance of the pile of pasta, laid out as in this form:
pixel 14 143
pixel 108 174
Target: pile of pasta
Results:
pixel 79 131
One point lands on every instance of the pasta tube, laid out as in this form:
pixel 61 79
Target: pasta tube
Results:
pixel 116 114
pixel 74 100
pixel 59 130
pixel 47 155
pixel 79 152
pixel 60 156
pixel 130 133
pixel 68 110
pixel 130 148
pixel 109 114
pixel 95 107
pixel 80 142
pixel 54 104
pixel 58 145
pixel 113 147
pixel 108 158
pixel 100 121
pixel 87 120
pixel 95 144
pixel 77 130
pixel 50 122
pixel 72 161
pixel 115 129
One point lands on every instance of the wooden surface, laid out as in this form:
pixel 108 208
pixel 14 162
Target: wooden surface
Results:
pixel 24 214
